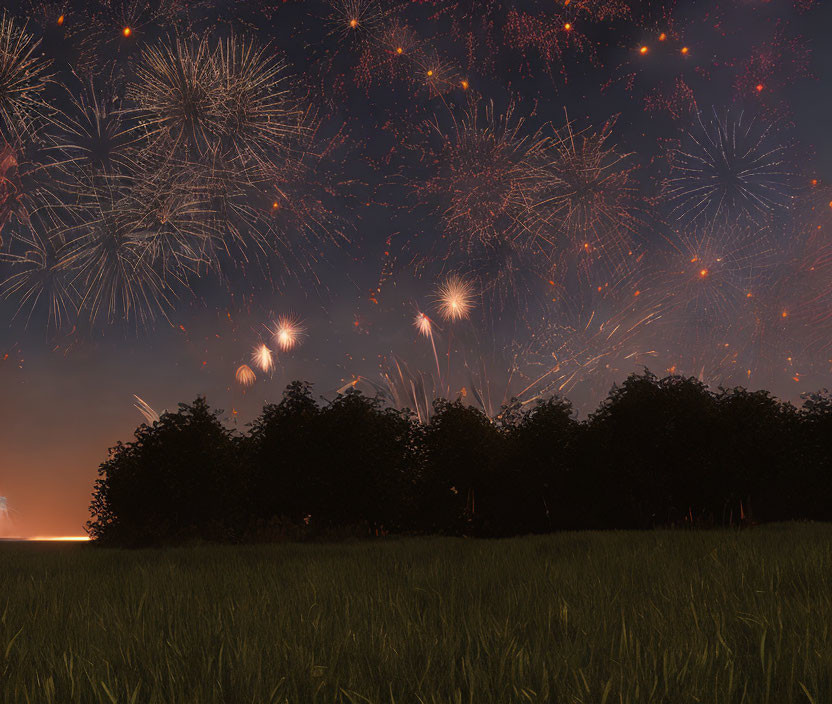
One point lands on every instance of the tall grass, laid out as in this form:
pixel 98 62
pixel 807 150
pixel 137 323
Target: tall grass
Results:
pixel 596 618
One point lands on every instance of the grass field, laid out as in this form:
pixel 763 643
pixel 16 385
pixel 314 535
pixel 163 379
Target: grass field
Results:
pixel 711 617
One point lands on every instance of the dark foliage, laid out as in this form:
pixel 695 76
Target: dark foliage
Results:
pixel 657 452
pixel 177 480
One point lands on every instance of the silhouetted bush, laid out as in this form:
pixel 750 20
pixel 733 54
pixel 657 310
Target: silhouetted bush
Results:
pixel 276 458
pixel 176 481
pixel 657 452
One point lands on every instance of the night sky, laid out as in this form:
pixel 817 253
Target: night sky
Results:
pixel 605 185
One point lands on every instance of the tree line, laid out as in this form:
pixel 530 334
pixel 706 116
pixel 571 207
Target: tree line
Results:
pixel 656 452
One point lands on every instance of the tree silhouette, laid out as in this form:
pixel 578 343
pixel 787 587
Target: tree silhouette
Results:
pixel 363 464
pixel 656 452
pixel 648 450
pixel 175 481
pixel 812 493
pixel 541 489
pixel 462 454
pixel 753 454
pixel 277 455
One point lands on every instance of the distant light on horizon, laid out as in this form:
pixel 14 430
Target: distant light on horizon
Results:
pixel 45 539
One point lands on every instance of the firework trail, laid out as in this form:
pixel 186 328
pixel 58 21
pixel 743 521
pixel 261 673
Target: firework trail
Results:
pixel 150 416
pixel 425 327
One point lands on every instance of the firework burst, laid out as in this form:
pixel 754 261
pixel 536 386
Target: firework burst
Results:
pixel 486 187
pixel 590 200
pixel 259 116
pixel 177 90
pixel 288 332
pixel 262 358
pixel 11 188
pixel 423 325
pixel 486 180
pixel 712 271
pixel 358 18
pixel 116 274
pixel 24 77
pixel 94 133
pixel 244 376
pixel 589 344
pixel 727 169
pixel 455 298
pixel 41 273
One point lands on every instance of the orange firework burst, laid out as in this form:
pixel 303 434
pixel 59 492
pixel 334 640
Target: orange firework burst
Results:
pixel 435 73
pixel 455 297
pixel 262 357
pixel 352 17
pixel 245 376
pixel 287 332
